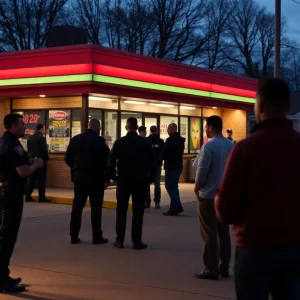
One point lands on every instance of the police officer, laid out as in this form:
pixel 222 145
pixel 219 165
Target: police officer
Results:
pixel 132 166
pixel 37 147
pixel 15 166
pixel 87 156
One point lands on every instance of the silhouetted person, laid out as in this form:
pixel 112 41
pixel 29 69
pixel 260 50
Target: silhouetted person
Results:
pixel 37 147
pixel 87 156
pixel 131 165
pixel 142 131
pixel 259 195
pixel 229 135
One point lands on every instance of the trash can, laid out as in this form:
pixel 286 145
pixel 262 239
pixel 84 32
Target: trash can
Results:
pixel 192 170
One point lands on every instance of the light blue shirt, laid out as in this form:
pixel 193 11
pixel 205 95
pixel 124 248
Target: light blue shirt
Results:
pixel 210 165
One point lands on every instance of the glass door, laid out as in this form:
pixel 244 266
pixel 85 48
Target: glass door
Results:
pixel 150 120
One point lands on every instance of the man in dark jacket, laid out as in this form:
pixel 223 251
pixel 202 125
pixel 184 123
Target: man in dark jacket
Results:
pixel 259 195
pixel 173 164
pixel 157 147
pixel 37 147
pixel 131 165
pixel 87 156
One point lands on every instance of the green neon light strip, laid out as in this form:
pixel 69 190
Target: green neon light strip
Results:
pixel 44 80
pixel 121 81
pixel 167 88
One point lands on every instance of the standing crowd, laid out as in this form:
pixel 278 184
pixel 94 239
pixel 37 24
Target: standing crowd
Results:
pixel 252 185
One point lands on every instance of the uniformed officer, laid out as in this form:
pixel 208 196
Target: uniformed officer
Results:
pixel 15 166
pixel 87 156
pixel 132 166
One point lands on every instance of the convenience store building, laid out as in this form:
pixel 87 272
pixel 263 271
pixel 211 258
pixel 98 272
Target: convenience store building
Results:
pixel 64 87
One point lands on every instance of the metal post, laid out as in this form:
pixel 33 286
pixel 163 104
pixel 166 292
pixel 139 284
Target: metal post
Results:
pixel 277 38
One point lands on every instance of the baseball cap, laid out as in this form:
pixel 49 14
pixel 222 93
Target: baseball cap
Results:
pixel 142 128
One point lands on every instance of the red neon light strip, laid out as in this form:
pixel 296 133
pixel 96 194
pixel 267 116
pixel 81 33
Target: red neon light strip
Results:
pixel 120 73
pixel 46 71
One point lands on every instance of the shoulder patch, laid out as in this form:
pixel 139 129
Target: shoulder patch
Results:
pixel 19 149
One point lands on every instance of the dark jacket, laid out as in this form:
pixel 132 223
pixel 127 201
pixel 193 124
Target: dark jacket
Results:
pixel 131 159
pixel 157 147
pixel 173 152
pixel 260 189
pixel 88 152
pixel 37 146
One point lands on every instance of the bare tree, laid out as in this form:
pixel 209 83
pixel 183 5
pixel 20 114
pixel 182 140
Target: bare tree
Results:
pixel 24 24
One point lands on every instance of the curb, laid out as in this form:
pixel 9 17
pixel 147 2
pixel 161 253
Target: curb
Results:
pixel 111 204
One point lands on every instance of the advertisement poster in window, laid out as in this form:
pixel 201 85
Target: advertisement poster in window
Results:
pixel 195 129
pixel 31 120
pixel 59 130
pixel 205 137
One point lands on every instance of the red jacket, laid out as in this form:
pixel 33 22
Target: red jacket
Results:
pixel 260 190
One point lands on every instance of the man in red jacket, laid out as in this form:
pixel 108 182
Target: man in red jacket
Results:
pixel 259 195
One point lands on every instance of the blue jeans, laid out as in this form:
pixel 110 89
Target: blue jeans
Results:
pixel 157 189
pixel 267 271
pixel 171 183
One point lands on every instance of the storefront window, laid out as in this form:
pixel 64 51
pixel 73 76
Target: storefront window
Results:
pixel 76 122
pixel 125 116
pixel 184 127
pixel 110 127
pixel 195 134
pixel 164 123
pixel 96 114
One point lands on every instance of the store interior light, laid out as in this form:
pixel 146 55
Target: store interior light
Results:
pixel 42 96
pixel 95 98
pixel 187 107
pixel 214 107
pixel 162 105
pixel 134 102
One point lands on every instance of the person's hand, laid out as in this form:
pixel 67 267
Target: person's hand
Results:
pixel 196 191
pixel 37 163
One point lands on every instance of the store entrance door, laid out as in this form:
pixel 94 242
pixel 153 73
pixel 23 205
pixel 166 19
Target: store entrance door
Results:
pixel 150 120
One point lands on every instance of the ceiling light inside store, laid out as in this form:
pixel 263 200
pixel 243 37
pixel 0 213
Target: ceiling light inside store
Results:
pixel 42 96
pixel 95 98
pixel 214 107
pixel 134 102
pixel 162 105
pixel 187 107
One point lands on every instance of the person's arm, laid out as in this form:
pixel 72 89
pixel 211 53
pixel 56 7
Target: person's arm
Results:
pixel 230 200
pixel 44 149
pixel 106 153
pixel 165 150
pixel 151 163
pixel 69 154
pixel 112 161
pixel 162 144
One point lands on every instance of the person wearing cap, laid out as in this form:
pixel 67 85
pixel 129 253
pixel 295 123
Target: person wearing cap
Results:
pixel 229 135
pixel 142 131
pixel 157 147
pixel 259 195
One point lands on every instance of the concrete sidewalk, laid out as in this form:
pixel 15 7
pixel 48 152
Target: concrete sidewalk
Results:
pixel 65 196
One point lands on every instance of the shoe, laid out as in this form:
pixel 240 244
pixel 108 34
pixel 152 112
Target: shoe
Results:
pixel 10 287
pixel 99 241
pixel 171 214
pixel 206 275
pixel 157 205
pixel 75 240
pixel 139 246
pixel 29 199
pixel 118 244
pixel 180 210
pixel 15 280
pixel 224 273
pixel 147 205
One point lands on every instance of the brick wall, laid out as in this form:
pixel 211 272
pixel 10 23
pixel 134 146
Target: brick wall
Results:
pixel 237 121
pixel 4 110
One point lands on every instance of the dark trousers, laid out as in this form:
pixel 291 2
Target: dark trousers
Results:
pixel 157 189
pixel 87 185
pixel 138 191
pixel 39 178
pixel 215 237
pixel 11 209
pixel 267 271
pixel 171 183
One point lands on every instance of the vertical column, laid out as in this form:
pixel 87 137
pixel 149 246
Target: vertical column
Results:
pixel 85 112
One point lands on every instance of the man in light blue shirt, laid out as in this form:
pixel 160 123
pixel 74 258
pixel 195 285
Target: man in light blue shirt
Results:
pixel 210 167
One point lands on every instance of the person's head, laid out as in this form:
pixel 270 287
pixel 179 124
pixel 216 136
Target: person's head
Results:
pixel 229 132
pixel 40 128
pixel 142 131
pixel 214 126
pixel 95 125
pixel 14 123
pixel 272 99
pixel 172 128
pixel 154 130
pixel 131 124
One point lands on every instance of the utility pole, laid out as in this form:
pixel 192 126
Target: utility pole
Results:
pixel 277 38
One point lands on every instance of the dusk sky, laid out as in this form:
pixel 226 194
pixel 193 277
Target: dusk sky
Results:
pixel 291 12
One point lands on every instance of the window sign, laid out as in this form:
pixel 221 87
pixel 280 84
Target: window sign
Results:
pixel 195 134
